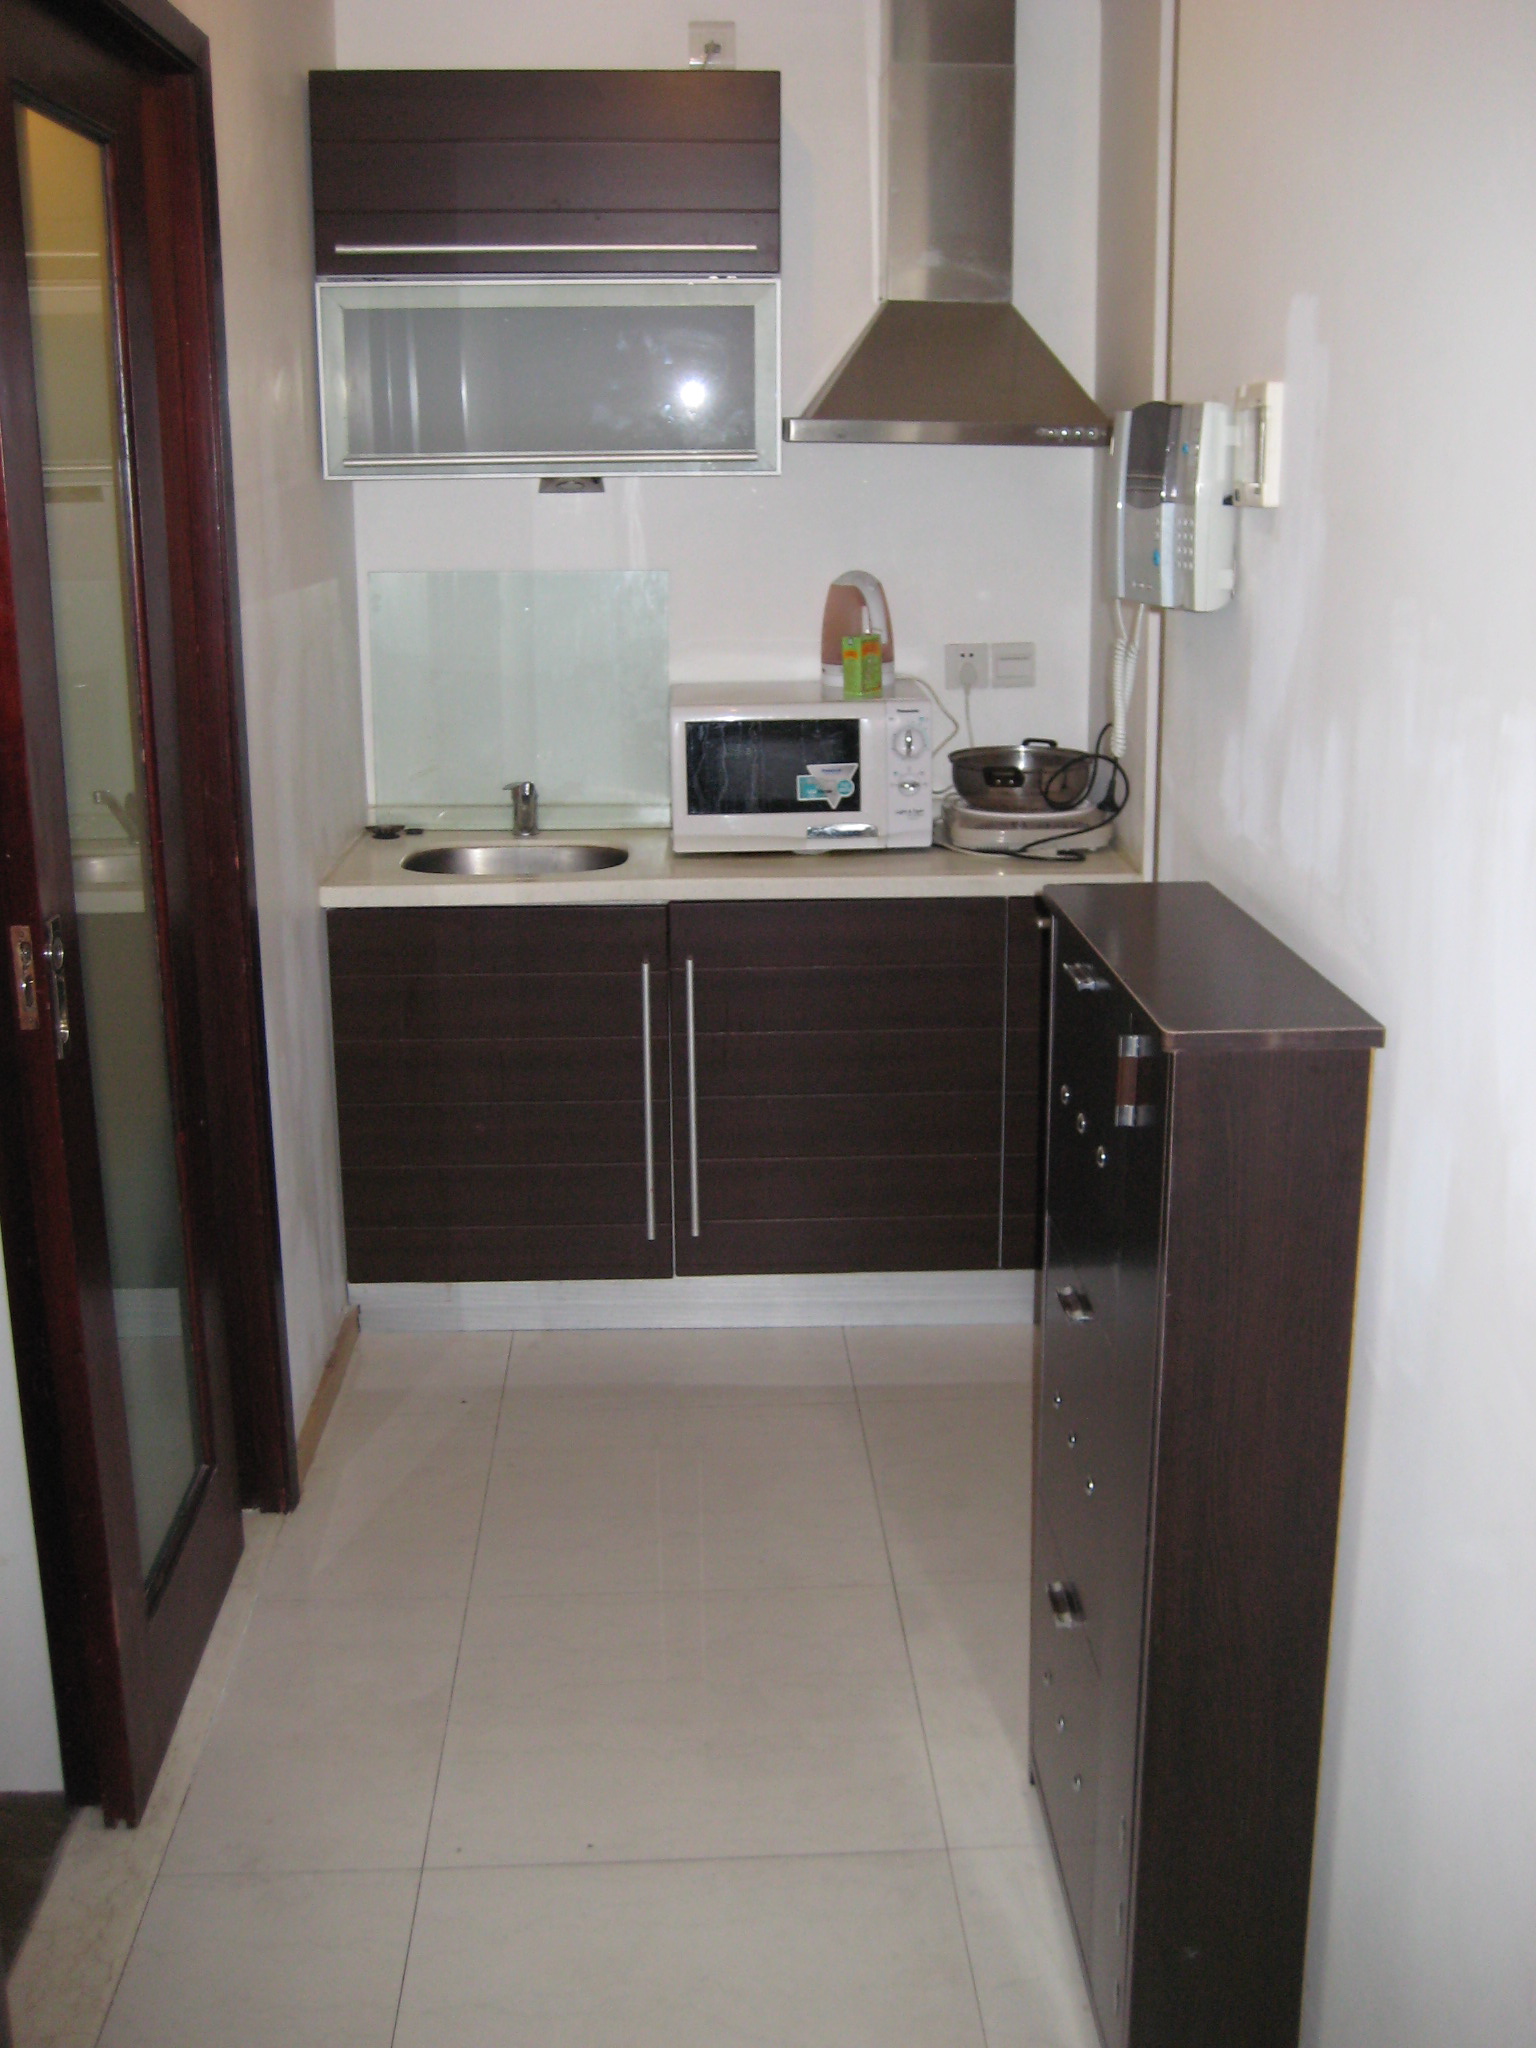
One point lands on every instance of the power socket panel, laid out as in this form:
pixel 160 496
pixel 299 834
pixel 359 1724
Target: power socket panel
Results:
pixel 967 665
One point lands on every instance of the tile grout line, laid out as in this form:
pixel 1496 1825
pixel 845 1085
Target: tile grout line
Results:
pixel 917 1701
pixel 437 1776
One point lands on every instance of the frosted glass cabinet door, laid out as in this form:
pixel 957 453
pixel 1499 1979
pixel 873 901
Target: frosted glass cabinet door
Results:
pixel 495 377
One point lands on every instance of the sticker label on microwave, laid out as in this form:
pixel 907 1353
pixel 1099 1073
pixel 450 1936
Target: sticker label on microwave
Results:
pixel 827 783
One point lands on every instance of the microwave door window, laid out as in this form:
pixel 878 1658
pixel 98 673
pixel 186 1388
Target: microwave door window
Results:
pixel 751 767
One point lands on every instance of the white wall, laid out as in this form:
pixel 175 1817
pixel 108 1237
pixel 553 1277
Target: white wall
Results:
pixel 29 1736
pixel 297 616
pixel 970 543
pixel 1350 750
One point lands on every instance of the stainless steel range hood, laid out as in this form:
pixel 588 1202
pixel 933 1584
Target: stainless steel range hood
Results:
pixel 947 357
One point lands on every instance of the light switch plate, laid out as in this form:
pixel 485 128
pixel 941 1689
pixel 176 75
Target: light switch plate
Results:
pixel 712 45
pixel 967 665
pixel 1013 664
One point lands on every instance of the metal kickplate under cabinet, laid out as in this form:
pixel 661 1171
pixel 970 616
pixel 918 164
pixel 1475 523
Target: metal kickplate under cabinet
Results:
pixel 549 377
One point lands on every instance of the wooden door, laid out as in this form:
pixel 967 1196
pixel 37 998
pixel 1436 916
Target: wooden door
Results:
pixel 504 1110
pixel 838 1073
pixel 137 1183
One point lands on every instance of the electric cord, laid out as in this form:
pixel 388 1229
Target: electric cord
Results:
pixel 1124 654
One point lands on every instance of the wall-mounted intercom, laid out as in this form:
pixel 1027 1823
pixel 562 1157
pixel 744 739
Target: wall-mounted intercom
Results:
pixel 1175 524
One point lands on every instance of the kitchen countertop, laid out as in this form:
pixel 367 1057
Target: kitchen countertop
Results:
pixel 369 874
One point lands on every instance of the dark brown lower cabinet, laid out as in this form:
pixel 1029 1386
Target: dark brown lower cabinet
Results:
pixel 837 1070
pixel 492 1072
pixel 1207 1097
pixel 835 1087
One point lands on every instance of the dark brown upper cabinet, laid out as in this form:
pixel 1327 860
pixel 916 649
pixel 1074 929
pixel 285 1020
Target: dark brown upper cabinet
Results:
pixel 542 173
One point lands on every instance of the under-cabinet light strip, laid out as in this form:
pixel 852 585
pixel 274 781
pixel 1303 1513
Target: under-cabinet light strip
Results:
pixel 546 248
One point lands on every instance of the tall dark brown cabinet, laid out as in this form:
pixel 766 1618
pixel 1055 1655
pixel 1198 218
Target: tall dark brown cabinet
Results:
pixel 1205 1143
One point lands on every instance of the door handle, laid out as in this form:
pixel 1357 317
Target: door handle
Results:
pixel 650 1112
pixel 1066 1604
pixel 1075 1305
pixel 1084 976
pixel 693 1104
pixel 53 959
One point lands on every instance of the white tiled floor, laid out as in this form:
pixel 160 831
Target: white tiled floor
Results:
pixel 657 1688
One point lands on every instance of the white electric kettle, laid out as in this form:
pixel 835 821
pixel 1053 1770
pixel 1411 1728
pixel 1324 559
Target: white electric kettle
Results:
pixel 855 604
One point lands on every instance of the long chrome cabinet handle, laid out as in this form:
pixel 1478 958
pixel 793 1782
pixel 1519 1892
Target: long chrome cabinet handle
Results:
pixel 650 1113
pixel 693 1106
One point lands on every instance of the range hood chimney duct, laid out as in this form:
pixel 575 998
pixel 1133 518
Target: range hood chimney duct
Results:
pixel 947 357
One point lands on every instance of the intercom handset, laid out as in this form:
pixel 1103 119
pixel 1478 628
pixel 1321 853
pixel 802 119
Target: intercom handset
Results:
pixel 1175 521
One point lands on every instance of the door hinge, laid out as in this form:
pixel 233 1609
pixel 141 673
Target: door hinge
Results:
pixel 24 976
pixel 1131 1113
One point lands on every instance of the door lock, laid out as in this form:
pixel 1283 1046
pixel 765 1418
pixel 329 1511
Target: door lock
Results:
pixel 53 958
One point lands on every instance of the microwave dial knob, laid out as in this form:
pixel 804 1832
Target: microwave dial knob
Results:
pixel 908 741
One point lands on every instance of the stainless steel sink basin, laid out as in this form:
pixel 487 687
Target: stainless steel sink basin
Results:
pixel 108 870
pixel 527 857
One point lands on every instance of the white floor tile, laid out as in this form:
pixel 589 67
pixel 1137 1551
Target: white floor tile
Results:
pixel 62 1981
pixel 985 1353
pixel 1028 1977
pixel 266 1962
pixel 952 1471
pixel 969 1646
pixel 392 1507
pixel 809 1362
pixel 858 1952
pixel 324 1750
pixel 394 1361
pixel 660 1492
pixel 712 1724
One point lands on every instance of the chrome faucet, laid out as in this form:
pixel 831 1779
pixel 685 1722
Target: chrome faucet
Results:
pixel 525 809
pixel 126 812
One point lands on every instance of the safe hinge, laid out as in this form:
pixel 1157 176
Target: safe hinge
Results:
pixel 1132 1112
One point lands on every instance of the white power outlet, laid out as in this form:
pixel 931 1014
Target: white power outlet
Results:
pixel 1013 664
pixel 967 665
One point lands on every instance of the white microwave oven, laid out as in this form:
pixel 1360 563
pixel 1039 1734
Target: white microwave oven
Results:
pixel 778 768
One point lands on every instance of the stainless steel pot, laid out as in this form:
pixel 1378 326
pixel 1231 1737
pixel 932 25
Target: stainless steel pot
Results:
pixel 1037 776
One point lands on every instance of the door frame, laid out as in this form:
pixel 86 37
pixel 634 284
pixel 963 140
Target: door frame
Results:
pixel 194 438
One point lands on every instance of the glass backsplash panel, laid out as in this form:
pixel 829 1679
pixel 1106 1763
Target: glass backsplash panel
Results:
pixel 482 677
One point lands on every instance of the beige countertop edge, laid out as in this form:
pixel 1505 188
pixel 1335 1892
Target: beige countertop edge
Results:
pixel 369 875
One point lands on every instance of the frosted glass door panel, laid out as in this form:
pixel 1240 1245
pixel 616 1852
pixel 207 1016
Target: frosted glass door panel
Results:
pixel 579 377
pixel 481 677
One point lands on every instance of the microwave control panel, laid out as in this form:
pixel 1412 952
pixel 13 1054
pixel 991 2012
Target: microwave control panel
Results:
pixel 909 775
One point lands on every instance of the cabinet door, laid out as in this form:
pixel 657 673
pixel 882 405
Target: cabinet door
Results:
pixel 492 1074
pixel 1097 1390
pixel 838 1070
pixel 1029 955
pixel 1065 1708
